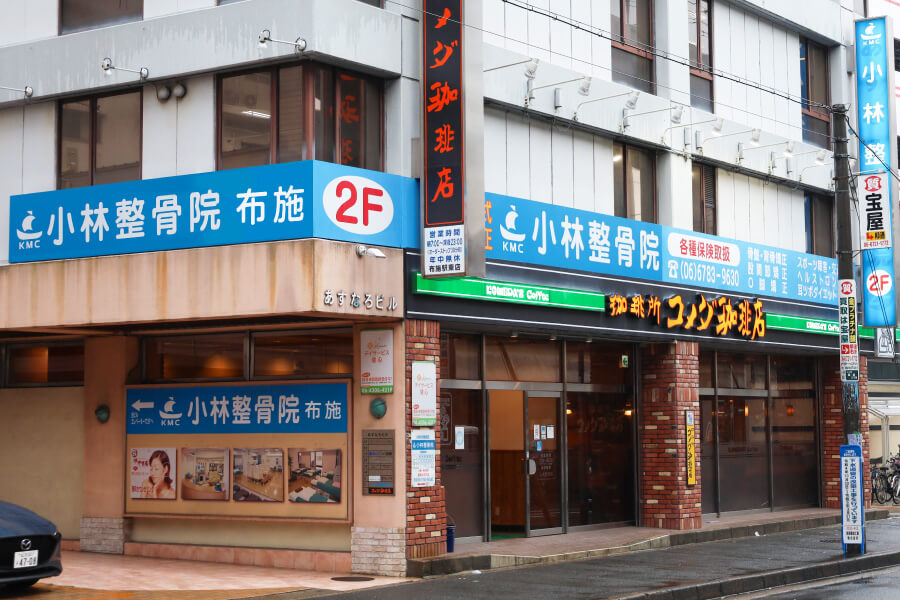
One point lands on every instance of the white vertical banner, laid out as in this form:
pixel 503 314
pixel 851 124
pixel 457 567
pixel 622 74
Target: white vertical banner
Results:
pixel 424 393
pixel 376 356
pixel 422 463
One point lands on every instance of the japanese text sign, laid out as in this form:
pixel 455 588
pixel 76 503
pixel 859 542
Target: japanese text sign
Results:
pixel 852 508
pixel 376 361
pixel 848 330
pixel 444 179
pixel 718 315
pixel 257 204
pixel 532 232
pixel 424 393
pixel 690 441
pixel 875 115
pixel 422 458
pixel 278 408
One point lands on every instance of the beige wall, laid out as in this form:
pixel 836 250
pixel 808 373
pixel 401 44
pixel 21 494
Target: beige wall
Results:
pixel 41 441
pixel 255 534
pixel 380 511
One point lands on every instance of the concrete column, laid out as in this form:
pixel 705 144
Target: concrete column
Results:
pixel 671 378
pixel 107 364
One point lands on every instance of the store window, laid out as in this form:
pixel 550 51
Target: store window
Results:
pixel 463 356
pixel 634 183
pixel 700 49
pixel 518 359
pixel 42 365
pixel 194 357
pixel 816 121
pixel 306 354
pixel 819 225
pixel 99 140
pixel 631 24
pixel 299 112
pixel 703 181
pixel 79 15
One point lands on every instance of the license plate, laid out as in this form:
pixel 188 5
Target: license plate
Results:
pixel 22 560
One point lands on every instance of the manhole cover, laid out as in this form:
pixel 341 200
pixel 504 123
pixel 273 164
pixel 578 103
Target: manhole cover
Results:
pixel 353 578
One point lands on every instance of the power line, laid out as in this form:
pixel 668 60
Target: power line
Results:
pixel 869 148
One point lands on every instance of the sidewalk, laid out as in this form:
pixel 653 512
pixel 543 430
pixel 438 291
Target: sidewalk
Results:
pixel 693 571
pixel 606 542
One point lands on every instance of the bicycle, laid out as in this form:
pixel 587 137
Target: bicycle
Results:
pixel 880 485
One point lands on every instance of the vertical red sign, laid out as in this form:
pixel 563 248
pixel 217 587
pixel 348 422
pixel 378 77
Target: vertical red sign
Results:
pixel 443 185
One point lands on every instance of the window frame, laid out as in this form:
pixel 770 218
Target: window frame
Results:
pixel 810 201
pixel 703 167
pixel 59 21
pixel 92 127
pixel 625 184
pixel 816 113
pixel 308 87
pixel 702 70
pixel 622 43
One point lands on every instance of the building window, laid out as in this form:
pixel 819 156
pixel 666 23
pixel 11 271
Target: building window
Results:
pixel 703 179
pixel 814 91
pixel 634 183
pixel 42 365
pixel 99 140
pixel 631 24
pixel 303 354
pixel 79 15
pixel 194 357
pixel 299 112
pixel 700 54
pixel 819 226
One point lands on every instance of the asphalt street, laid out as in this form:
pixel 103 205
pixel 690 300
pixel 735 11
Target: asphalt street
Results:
pixel 880 585
pixel 630 573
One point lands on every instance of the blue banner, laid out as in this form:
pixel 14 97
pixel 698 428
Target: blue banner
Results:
pixel 281 408
pixel 875 105
pixel 557 236
pixel 257 204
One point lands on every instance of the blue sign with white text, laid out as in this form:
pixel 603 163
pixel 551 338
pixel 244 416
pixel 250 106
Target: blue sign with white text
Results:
pixel 278 408
pixel 558 236
pixel 257 204
pixel 875 102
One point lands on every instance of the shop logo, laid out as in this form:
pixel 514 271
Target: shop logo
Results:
pixel 869 36
pixel 358 205
pixel 873 183
pixel 27 238
pixel 847 288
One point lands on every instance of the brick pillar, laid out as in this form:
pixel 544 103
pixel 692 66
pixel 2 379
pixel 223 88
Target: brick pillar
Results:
pixel 833 428
pixel 670 380
pixel 426 510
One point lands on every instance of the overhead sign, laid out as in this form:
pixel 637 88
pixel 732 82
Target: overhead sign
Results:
pixel 376 361
pixel 874 210
pixel 515 293
pixel 280 408
pixel 422 458
pixel 257 204
pixel 424 393
pixel 716 315
pixel 848 330
pixel 443 189
pixel 875 117
pixel 526 231
pixel 852 508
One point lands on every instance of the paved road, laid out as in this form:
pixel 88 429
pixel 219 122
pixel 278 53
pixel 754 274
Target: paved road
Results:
pixel 641 571
pixel 880 585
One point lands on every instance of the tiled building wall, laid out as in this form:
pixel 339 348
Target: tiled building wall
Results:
pixel 670 378
pixel 426 509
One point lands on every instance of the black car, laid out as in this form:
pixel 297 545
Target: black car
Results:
pixel 29 547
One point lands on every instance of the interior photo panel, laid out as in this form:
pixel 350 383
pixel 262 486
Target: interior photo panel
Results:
pixel 205 474
pixel 315 475
pixel 258 474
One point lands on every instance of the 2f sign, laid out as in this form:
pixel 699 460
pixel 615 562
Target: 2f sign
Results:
pixel 879 282
pixel 358 205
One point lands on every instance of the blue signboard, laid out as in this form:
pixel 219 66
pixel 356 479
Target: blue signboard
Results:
pixel 853 513
pixel 242 408
pixel 557 236
pixel 257 204
pixel 875 105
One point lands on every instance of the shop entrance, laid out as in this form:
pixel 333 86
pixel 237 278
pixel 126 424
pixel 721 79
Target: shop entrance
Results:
pixel 526 463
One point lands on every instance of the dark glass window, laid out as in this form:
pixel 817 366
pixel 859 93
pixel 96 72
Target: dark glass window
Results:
pixel 700 54
pixel 631 24
pixel 819 225
pixel 463 356
pixel 299 112
pixel 703 180
pixel 303 354
pixel 99 140
pixel 634 183
pixel 814 92
pixel 45 365
pixel 219 356
pixel 78 15
pixel 517 359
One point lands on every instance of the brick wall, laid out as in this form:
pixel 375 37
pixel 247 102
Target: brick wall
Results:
pixel 833 428
pixel 378 550
pixel 101 534
pixel 670 378
pixel 426 510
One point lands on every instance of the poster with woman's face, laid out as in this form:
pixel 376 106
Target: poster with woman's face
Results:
pixel 153 473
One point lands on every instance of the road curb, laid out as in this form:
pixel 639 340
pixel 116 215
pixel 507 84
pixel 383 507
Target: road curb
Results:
pixel 771 579
pixel 447 565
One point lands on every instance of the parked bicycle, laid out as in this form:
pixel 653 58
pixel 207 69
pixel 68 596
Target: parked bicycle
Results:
pixel 882 490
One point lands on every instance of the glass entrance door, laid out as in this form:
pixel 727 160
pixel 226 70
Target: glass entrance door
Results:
pixel 526 463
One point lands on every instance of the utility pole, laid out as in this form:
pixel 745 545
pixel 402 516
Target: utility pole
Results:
pixel 849 334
